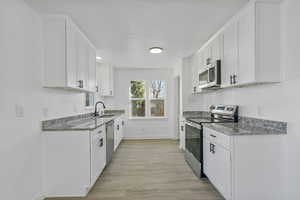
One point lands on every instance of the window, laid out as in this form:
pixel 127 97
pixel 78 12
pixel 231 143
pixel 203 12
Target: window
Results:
pixel 137 99
pixel 150 103
pixel 89 100
pixel 157 93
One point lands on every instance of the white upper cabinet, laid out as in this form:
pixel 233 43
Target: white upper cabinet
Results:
pixel 207 55
pixel 105 79
pixel 195 68
pixel 230 53
pixel 72 54
pixel 251 45
pixel 68 55
pixel 216 48
pixel 92 71
pixel 248 46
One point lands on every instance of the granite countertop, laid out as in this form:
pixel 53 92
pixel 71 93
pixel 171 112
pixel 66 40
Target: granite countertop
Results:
pixel 85 122
pixel 195 114
pixel 245 126
pixel 239 129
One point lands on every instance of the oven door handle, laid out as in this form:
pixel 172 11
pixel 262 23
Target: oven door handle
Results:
pixel 194 125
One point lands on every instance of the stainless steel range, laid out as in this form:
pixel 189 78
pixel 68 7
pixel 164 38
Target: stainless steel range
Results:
pixel 194 134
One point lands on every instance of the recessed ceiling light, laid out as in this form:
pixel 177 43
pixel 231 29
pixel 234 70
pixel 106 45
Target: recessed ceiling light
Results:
pixel 156 50
pixel 98 58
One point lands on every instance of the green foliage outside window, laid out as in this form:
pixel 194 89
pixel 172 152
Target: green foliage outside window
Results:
pixel 137 89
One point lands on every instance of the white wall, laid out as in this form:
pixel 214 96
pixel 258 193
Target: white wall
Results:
pixel 143 128
pixel 276 101
pixel 21 63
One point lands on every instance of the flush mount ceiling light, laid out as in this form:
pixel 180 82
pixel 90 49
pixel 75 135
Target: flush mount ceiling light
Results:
pixel 156 50
pixel 98 58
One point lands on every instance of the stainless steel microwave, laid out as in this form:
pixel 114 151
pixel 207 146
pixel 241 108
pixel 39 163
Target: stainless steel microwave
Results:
pixel 210 77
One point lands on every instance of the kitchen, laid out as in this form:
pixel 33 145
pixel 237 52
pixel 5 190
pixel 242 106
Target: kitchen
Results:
pixel 58 64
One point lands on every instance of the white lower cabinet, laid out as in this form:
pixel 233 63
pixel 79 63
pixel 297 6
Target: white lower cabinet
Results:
pixel 244 167
pixel 98 153
pixel 182 134
pixel 119 131
pixel 72 160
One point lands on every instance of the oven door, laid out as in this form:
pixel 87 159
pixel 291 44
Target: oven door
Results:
pixel 193 140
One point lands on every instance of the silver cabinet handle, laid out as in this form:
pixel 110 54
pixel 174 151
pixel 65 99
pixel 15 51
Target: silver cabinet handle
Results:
pixel 101 142
pixel 231 81
pixel 80 85
pixel 99 132
pixel 182 128
pixel 212 148
pixel 234 79
pixel 211 135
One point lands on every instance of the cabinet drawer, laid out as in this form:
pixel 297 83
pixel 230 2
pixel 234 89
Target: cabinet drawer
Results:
pixel 217 137
pixel 99 131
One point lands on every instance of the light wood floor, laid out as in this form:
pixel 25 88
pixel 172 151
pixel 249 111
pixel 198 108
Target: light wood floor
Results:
pixel 149 170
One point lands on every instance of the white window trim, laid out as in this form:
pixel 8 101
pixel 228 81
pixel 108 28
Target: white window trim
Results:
pixel 147 103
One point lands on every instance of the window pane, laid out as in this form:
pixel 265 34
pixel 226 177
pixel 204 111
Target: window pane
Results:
pixel 157 107
pixel 138 108
pixel 158 89
pixel 137 89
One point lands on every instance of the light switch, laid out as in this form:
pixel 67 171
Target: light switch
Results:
pixel 19 110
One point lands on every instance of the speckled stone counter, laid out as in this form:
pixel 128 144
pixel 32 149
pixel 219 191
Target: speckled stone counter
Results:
pixel 114 112
pixel 250 126
pixel 191 114
pixel 78 122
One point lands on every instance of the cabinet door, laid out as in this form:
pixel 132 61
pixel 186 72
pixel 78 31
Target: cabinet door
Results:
pixel 202 65
pixel 122 129
pixel 117 133
pixel 230 54
pixel 206 157
pixel 182 135
pixel 246 47
pixel 106 79
pixel 92 69
pixel 83 60
pixel 216 49
pixel 194 64
pixel 207 54
pixel 72 54
pixel 222 171
pixel 98 153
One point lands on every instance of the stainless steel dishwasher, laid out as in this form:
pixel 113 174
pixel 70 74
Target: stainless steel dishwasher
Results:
pixel 109 141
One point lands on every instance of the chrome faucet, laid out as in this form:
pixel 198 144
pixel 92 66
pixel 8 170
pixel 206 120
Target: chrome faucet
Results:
pixel 96 113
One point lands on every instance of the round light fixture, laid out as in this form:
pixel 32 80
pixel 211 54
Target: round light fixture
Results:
pixel 156 50
pixel 98 58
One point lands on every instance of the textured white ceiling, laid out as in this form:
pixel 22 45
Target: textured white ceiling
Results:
pixel 124 30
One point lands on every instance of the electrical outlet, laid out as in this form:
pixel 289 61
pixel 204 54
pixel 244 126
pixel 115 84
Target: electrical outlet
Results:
pixel 19 111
